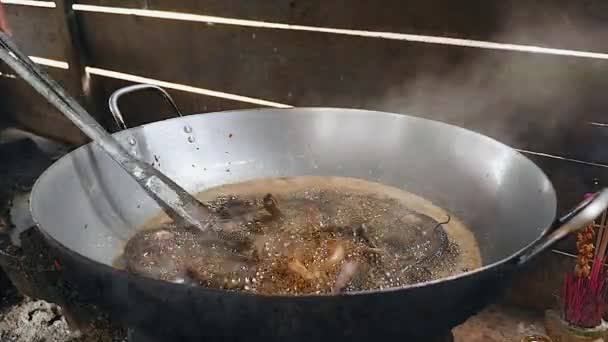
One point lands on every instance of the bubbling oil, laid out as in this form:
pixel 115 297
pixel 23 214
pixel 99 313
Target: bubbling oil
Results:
pixel 320 235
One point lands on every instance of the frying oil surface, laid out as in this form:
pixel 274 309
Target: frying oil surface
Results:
pixel 306 235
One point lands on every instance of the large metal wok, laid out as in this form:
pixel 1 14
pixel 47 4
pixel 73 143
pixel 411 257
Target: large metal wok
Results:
pixel 88 207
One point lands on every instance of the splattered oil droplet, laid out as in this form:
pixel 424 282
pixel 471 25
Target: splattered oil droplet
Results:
pixel 132 141
pixel 230 135
pixel 191 139
pixel 187 129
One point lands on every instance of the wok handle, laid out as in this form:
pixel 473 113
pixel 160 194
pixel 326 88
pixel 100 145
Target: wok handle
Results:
pixel 113 101
pixel 583 214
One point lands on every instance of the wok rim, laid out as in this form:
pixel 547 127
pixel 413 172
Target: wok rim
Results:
pixel 305 111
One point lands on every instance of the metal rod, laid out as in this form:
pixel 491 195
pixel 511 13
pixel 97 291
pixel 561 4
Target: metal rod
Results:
pixel 176 201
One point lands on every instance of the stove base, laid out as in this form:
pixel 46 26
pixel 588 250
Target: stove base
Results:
pixel 134 336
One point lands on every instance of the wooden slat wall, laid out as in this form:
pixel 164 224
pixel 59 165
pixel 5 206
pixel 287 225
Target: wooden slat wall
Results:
pixel 40 32
pixel 534 102
pixel 37 31
pixel 26 107
pixel 575 24
pixel 511 96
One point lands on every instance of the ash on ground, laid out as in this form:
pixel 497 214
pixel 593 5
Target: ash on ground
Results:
pixel 38 321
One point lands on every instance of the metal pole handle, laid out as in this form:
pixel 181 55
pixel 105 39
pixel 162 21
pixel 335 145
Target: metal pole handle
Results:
pixel 113 101
pixel 577 218
pixel 178 203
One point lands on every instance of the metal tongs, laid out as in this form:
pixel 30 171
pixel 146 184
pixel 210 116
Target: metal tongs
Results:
pixel 175 200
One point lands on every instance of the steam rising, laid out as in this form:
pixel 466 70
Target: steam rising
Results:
pixel 527 100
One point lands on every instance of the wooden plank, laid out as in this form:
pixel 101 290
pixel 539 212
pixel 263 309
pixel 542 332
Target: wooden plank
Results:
pixel 67 26
pixel 554 23
pixel 29 110
pixel 525 100
pixel 41 32
pixel 48 33
pixel 37 31
pixel 82 86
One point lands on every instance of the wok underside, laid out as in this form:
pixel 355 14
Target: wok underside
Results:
pixel 164 312
pixel 88 208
